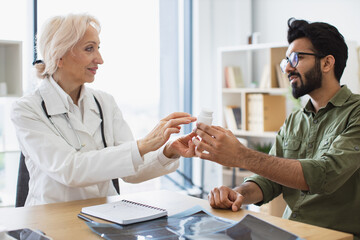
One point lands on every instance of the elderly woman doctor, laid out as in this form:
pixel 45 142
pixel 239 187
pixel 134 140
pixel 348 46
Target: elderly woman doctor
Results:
pixel 74 138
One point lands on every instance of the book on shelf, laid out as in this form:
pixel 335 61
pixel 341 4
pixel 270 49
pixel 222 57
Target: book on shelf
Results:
pixel 282 79
pixel 265 81
pixel 233 117
pixel 265 112
pixel 233 77
pixel 124 212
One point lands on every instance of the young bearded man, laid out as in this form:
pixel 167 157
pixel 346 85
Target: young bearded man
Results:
pixel 315 161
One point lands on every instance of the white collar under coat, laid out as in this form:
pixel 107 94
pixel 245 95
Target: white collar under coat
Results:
pixel 57 102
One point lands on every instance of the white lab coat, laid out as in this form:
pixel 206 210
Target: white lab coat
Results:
pixel 60 173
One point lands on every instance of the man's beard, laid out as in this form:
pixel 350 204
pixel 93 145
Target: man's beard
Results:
pixel 313 81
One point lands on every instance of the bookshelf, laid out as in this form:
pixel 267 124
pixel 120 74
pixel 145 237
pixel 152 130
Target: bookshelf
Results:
pixel 10 68
pixel 258 64
pixel 10 90
pixel 260 77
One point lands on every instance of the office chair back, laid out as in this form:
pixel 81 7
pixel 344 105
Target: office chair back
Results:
pixel 22 188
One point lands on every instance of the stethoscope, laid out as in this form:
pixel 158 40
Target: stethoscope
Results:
pixel 66 116
pixel 114 181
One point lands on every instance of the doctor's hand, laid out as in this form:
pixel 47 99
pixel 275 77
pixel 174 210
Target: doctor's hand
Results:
pixel 162 131
pixel 221 146
pixel 182 146
pixel 225 198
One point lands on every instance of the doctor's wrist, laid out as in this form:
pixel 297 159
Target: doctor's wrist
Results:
pixel 143 147
pixel 169 151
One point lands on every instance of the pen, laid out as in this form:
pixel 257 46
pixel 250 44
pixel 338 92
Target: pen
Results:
pixel 85 218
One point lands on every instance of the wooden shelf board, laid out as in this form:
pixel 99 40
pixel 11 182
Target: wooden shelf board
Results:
pixel 242 173
pixel 256 90
pixel 252 47
pixel 243 133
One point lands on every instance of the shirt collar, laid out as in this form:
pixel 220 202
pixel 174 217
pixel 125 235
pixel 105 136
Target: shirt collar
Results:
pixel 65 98
pixel 341 96
pixel 337 100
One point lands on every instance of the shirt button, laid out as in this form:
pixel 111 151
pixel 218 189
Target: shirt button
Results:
pixel 302 194
pixel 315 121
pixel 293 215
pixel 310 145
pixel 356 148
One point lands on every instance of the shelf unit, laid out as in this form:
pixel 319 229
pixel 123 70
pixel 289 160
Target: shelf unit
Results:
pixel 10 68
pixel 10 90
pixel 253 61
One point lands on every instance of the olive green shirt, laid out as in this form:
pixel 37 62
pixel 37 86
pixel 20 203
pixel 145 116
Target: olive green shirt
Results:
pixel 327 144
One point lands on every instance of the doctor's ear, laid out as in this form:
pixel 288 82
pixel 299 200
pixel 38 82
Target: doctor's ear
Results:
pixel 60 63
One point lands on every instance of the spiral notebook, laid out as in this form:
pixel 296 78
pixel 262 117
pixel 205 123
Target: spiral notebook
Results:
pixel 124 212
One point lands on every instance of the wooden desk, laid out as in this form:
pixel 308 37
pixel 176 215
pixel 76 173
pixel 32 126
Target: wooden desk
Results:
pixel 60 221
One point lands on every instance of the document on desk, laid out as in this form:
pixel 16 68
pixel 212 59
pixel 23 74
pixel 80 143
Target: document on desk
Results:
pixel 124 212
pixel 195 223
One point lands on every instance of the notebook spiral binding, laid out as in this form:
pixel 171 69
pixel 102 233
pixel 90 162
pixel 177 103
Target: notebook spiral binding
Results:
pixel 144 205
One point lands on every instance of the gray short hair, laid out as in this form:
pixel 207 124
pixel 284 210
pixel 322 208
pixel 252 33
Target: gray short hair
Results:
pixel 59 35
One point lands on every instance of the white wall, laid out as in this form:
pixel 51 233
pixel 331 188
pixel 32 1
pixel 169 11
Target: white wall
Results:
pixel 16 24
pixel 270 19
pixel 220 23
pixel 216 23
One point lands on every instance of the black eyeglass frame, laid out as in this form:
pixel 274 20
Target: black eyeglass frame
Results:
pixel 286 60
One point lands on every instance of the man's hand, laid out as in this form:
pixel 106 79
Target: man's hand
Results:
pixel 225 198
pixel 221 145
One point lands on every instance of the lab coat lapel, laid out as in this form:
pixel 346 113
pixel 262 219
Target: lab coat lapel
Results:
pixel 78 125
pixel 53 102
pixel 91 116
pixel 55 106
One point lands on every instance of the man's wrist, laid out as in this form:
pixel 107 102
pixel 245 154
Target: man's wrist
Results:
pixel 237 189
pixel 247 157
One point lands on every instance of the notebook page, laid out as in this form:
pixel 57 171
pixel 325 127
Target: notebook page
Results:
pixel 125 212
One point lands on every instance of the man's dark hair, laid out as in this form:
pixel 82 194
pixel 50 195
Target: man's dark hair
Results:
pixel 325 38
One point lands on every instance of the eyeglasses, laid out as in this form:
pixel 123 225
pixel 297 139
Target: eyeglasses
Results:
pixel 293 59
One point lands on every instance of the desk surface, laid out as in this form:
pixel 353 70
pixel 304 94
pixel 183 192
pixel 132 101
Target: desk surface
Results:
pixel 60 221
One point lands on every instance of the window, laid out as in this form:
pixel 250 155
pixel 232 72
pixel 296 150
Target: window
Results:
pixel 15 24
pixel 130 46
pixel 130 49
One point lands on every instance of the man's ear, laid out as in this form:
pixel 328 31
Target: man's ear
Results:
pixel 328 63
